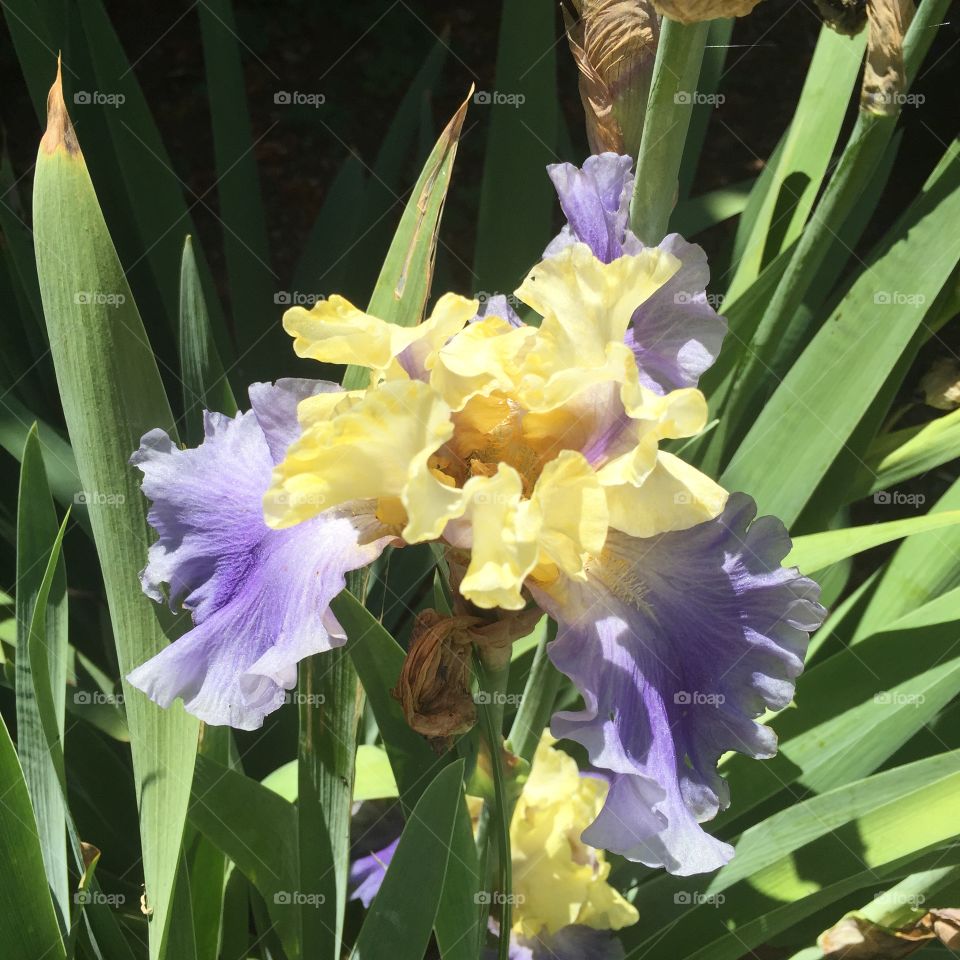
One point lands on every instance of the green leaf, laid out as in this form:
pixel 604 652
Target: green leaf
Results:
pixel 205 385
pixel 923 567
pixel 818 550
pixel 258 831
pixel 402 914
pixel 800 860
pixel 252 281
pixel 36 534
pixel 800 163
pixel 822 399
pixel 374 776
pixel 697 214
pixel 903 454
pixel 28 922
pixel 112 395
pixel 457 925
pixel 521 141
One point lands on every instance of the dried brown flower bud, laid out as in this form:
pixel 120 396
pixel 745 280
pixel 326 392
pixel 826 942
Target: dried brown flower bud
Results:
pixel 690 11
pixel 434 685
pixel 614 44
pixel 884 80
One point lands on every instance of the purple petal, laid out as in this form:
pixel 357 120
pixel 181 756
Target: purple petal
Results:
pixel 367 873
pixel 578 942
pixel 259 597
pixel 677 643
pixel 596 202
pixel 676 334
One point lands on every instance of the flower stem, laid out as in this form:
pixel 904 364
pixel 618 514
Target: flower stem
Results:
pixel 539 695
pixel 493 681
pixel 672 95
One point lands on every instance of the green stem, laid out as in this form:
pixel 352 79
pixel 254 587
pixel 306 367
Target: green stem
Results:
pixel 492 681
pixel 675 76
pixel 539 695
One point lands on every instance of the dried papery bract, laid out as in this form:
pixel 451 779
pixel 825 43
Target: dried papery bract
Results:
pixel 434 684
pixel 884 80
pixel 614 44
pixel 940 386
pixel 692 11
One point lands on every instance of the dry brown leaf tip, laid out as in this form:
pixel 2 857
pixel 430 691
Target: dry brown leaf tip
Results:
pixel 884 80
pixel 59 132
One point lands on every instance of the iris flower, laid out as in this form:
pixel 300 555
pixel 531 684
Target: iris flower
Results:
pixel 564 908
pixel 532 453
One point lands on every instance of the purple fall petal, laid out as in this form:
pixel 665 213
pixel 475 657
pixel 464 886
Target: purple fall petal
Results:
pixel 259 597
pixel 677 643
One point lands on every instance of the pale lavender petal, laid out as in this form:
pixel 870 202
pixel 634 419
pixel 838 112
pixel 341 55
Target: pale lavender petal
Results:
pixel 677 644
pixel 676 334
pixel 499 305
pixel 259 597
pixel 595 200
pixel 578 942
pixel 275 405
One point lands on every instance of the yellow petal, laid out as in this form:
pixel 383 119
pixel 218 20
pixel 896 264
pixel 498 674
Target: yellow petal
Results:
pixel 335 331
pixel 573 508
pixel 479 359
pixel 586 307
pixel 675 496
pixel 375 446
pixel 505 530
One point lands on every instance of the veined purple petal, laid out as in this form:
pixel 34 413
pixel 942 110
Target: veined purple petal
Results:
pixel 677 644
pixel 676 335
pixel 259 597
pixel 595 200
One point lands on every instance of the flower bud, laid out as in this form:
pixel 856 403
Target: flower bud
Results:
pixel 884 80
pixel 614 43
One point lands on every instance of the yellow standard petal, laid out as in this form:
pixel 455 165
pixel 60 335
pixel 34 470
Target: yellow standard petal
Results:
pixel 335 331
pixel 505 530
pixel 586 307
pixel 674 496
pixel 375 446
pixel 573 510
